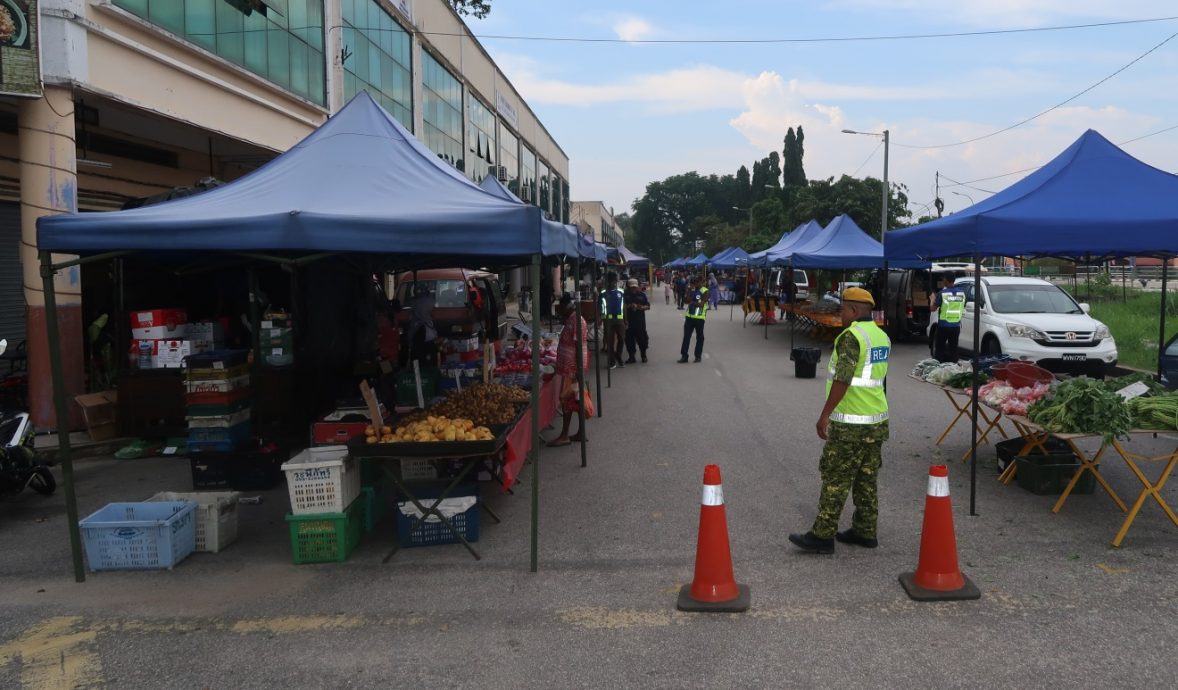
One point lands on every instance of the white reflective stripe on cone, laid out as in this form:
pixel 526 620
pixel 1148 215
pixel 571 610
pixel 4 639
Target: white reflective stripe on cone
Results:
pixel 938 487
pixel 713 495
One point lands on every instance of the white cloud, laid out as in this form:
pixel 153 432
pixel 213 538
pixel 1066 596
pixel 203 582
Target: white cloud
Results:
pixel 632 28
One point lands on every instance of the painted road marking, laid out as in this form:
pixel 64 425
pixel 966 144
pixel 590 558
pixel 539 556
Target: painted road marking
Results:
pixel 60 653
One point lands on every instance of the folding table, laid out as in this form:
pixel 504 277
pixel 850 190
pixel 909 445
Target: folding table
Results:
pixel 989 419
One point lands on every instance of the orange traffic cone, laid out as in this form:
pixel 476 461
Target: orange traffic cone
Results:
pixel 937 576
pixel 714 588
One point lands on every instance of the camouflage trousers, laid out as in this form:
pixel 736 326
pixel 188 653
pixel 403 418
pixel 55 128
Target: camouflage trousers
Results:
pixel 850 464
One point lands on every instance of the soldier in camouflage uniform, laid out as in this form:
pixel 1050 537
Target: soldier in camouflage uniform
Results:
pixel 854 424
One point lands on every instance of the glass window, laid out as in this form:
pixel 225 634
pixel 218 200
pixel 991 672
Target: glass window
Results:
pixel 557 199
pixel 442 117
pixel 527 172
pixel 564 192
pixel 283 45
pixel 447 294
pixel 480 140
pixel 378 58
pixel 545 188
pixel 509 159
pixel 1031 299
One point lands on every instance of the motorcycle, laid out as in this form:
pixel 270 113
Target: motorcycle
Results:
pixel 20 468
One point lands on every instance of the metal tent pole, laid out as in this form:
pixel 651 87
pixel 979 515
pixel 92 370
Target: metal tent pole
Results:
pixel 600 337
pixel 977 336
pixel 581 378
pixel 748 274
pixel 61 410
pixel 535 454
pixel 765 296
pixel 1162 326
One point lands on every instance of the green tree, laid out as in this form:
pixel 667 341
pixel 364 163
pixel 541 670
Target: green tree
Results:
pixel 773 170
pixel 793 171
pixel 744 186
pixel 823 200
pixel 664 216
pixel 479 9
pixel 624 222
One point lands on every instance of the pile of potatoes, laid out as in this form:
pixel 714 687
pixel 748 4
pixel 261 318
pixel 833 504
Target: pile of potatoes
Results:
pixel 433 429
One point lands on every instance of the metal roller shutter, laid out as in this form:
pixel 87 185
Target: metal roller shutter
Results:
pixel 12 294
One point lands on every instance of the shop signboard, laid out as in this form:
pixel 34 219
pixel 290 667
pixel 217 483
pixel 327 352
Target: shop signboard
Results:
pixel 20 51
pixel 505 108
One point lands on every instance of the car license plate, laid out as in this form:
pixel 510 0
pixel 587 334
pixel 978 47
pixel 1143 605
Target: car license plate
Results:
pixel 1074 358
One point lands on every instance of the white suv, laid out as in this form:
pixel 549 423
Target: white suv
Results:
pixel 1034 321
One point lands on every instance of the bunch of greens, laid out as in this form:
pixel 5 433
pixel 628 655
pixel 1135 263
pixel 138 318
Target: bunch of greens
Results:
pixel 965 380
pixel 1118 383
pixel 1082 406
pixel 1158 412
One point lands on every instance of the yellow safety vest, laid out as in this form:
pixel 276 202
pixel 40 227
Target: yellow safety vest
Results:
pixel 865 401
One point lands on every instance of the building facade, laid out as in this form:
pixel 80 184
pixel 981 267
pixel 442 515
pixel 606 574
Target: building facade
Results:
pixel 137 97
pixel 594 217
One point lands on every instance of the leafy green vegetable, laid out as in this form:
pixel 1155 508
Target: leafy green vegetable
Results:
pixel 1117 384
pixel 1158 412
pixel 1082 406
pixel 965 380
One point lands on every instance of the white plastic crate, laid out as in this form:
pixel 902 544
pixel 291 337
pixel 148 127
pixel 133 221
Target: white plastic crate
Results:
pixel 322 480
pixel 216 516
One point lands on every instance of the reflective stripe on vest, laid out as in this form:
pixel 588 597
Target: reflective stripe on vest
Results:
pixel 699 311
pixel 952 307
pixel 865 401
pixel 605 305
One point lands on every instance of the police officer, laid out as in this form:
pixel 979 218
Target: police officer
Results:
pixel 613 312
pixel 697 313
pixel 950 306
pixel 854 424
pixel 637 304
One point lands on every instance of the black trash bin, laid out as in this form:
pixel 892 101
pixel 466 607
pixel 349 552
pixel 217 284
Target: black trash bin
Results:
pixel 805 361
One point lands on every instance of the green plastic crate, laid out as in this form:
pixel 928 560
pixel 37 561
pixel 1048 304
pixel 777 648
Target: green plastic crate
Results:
pixel 326 537
pixel 1048 475
pixel 376 504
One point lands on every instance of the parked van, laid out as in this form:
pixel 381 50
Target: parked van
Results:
pixel 801 281
pixel 910 293
pixel 466 302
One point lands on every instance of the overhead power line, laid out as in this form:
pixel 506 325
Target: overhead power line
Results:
pixel 1041 113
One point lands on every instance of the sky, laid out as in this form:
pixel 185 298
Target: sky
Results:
pixel 630 113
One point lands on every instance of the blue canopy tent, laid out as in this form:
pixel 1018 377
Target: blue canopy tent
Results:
pixel 677 263
pixel 756 257
pixel 575 242
pixel 843 244
pixel 633 259
pixel 778 255
pixel 360 183
pixel 721 254
pixel 1092 201
pixel 699 260
pixel 731 259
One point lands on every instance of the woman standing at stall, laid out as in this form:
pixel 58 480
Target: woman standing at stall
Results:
pixel 566 368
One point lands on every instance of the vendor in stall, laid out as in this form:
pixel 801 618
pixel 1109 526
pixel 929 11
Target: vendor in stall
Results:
pixel 567 359
pixel 421 335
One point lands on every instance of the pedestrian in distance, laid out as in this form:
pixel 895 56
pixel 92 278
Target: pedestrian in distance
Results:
pixel 854 425
pixel 613 313
pixel 667 292
pixel 680 290
pixel 950 307
pixel 637 304
pixel 693 321
pixel 713 291
pixel 567 359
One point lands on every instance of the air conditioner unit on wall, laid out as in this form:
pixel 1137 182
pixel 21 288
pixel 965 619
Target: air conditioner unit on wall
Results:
pixel 501 173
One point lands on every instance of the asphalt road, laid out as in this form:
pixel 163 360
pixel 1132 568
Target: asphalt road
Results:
pixel 1060 606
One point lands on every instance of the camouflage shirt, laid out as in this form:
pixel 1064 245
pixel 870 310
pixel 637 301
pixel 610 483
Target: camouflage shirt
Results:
pixel 846 346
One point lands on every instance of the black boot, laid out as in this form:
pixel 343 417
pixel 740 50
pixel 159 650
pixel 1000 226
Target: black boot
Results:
pixel 811 543
pixel 850 536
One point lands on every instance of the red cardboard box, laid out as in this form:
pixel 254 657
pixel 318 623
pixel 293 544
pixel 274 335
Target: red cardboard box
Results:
pixel 159 324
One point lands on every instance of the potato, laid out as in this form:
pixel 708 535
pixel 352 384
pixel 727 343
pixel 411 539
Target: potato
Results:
pixel 369 431
pixel 386 430
pixel 370 440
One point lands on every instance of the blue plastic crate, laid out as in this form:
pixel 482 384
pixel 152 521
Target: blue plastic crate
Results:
pixel 139 536
pixel 236 435
pixel 433 533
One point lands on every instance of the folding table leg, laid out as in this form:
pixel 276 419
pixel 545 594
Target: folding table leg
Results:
pixel 1088 465
pixel 1149 490
pixel 961 410
pixel 433 510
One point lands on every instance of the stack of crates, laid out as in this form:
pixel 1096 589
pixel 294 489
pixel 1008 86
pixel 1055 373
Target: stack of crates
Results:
pixel 217 390
pixel 327 511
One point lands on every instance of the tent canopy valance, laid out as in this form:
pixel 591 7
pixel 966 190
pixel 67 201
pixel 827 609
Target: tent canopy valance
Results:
pixel 698 260
pixel 1092 201
pixel 730 259
pixel 633 259
pixel 359 183
pixel 778 254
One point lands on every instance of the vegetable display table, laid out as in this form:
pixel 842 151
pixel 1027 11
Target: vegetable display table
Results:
pixel 989 419
pixel 1035 436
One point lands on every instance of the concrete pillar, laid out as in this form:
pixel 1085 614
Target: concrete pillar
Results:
pixel 333 47
pixel 48 186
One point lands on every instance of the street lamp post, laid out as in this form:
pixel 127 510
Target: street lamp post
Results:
pixel 971 201
pixel 750 210
pixel 883 220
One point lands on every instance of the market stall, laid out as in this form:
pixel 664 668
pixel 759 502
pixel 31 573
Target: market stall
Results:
pixel 361 186
pixel 1093 201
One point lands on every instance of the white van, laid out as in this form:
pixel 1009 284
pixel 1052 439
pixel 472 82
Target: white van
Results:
pixel 801 281
pixel 1033 320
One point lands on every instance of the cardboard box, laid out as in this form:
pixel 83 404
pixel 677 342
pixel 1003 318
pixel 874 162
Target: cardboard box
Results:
pixel 100 410
pixel 159 324
pixel 332 430
pixel 164 354
pixel 461 345
pixel 208 331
